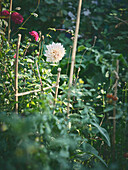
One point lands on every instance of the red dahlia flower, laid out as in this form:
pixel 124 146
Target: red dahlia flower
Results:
pixel 5 13
pixel 34 34
pixel 17 18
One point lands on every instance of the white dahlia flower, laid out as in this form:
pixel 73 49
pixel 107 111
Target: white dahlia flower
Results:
pixel 55 52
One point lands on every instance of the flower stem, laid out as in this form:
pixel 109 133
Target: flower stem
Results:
pixel 9 21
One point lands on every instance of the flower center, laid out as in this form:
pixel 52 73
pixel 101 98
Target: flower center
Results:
pixel 55 53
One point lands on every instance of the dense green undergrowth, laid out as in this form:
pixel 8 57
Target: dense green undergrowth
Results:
pixel 43 135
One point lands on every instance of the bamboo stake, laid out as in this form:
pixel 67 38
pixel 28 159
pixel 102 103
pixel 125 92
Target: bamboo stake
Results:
pixel 16 73
pixel 74 50
pixel 34 91
pixel 9 21
pixel 57 86
pixel 114 108
pixel 40 42
pixel 57 83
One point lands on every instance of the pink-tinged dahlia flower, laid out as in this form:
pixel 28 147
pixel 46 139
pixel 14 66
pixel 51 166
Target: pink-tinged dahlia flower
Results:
pixel 34 34
pixel 14 56
pixel 17 18
pixel 55 52
pixel 5 13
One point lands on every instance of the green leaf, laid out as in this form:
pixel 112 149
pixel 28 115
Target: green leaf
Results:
pixel 30 60
pixel 64 12
pixel 101 159
pixel 91 150
pixel 81 48
pixel 33 103
pixel 94 25
pixel 2 32
pixel 43 18
pixel 122 59
pixel 103 132
pixel 64 154
pixel 52 29
pixel 103 67
pixel 75 115
pixel 109 108
pixel 49 1
pixel 1 85
pixel 22 28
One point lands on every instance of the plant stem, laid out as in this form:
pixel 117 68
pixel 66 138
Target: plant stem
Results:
pixel 40 42
pixel 42 39
pixel 9 21
pixel 114 108
pixel 39 75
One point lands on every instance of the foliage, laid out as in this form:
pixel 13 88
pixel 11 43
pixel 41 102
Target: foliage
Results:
pixel 43 136
pixel 36 120
pixel 40 139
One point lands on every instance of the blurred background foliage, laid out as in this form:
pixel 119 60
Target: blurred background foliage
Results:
pixel 98 18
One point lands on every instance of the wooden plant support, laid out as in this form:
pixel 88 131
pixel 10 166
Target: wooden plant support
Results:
pixel 57 86
pixel 57 83
pixel 32 91
pixel 74 51
pixel 9 21
pixel 16 73
pixel 114 107
pixel 46 88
